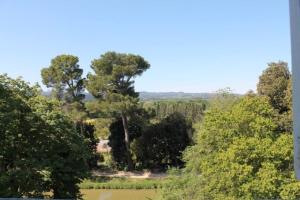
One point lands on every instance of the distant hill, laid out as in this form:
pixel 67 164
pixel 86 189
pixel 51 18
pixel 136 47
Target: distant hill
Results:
pixel 148 96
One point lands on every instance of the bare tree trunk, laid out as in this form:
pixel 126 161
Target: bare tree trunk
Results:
pixel 127 142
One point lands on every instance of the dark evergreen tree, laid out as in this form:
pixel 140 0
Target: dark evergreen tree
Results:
pixel 113 84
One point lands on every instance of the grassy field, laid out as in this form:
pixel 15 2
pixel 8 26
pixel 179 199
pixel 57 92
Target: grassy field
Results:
pixel 122 183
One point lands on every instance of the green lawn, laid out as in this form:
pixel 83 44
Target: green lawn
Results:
pixel 122 183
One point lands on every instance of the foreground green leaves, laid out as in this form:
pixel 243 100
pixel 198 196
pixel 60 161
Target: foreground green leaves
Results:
pixel 40 149
pixel 240 154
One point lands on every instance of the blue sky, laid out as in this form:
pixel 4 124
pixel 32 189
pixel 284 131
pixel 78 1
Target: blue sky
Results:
pixel 192 45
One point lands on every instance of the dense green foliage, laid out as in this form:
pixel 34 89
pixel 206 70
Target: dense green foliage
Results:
pixel 117 144
pixel 87 131
pixel 117 114
pixel 154 146
pixel 274 83
pixel 101 126
pixel 64 77
pixel 243 150
pixel 113 84
pixel 242 147
pixel 238 155
pixel 161 144
pixel 40 150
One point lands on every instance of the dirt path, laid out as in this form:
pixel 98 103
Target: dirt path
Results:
pixel 134 175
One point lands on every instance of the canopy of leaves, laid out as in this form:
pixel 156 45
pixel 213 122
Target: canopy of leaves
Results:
pixel 113 84
pixel 274 83
pixel 161 144
pixel 113 80
pixel 239 154
pixel 40 150
pixel 64 76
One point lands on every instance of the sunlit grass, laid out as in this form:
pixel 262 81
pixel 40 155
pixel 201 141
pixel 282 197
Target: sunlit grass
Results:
pixel 121 183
